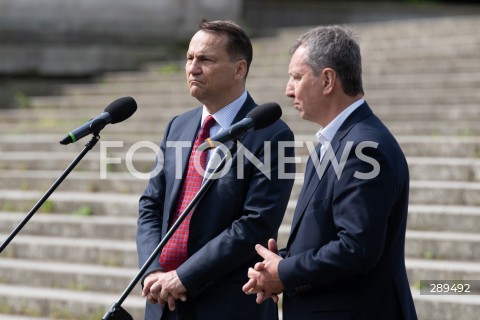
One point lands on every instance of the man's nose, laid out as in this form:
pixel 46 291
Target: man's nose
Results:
pixel 289 90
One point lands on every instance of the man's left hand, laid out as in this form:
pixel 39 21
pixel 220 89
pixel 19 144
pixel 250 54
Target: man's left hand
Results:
pixel 169 288
pixel 264 279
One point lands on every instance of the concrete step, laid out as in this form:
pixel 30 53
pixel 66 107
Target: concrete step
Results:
pixel 432 192
pixel 433 127
pixel 439 118
pixel 126 205
pixel 423 217
pixel 26 172
pixel 75 277
pixel 382 62
pixel 423 269
pixel 80 277
pixel 438 95
pixel 437 26
pixel 102 252
pixel 411 81
pixel 102 101
pixel 61 128
pixel 447 307
pixel 96 219
pixel 63 304
pixel 434 245
pixel 277 65
pixel 153 131
pixel 263 77
pixel 87 181
pixel 440 146
pixel 435 176
pixel 374 41
pixel 444 192
pixel 456 246
pixel 115 204
pixel 424 96
pixel 401 32
pixel 444 218
pixel 144 147
pixel 19 163
pixel 73 226
pixel 14 317
pixel 445 169
pixel 49 142
pixel 404 54
pixel 76 116
pixel 413 145
pixel 466 218
pixel 110 204
pixel 442 245
pixel 435 65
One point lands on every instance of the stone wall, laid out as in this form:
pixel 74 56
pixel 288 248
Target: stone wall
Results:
pixel 85 37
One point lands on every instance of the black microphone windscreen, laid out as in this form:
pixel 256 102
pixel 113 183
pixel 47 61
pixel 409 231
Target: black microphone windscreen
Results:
pixel 265 115
pixel 121 109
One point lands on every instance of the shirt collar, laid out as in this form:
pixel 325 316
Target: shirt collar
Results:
pixel 326 134
pixel 225 116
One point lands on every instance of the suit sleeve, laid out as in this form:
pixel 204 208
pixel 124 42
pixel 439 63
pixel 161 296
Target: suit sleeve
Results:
pixel 262 213
pixel 360 210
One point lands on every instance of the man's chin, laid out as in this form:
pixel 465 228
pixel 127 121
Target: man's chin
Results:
pixel 195 92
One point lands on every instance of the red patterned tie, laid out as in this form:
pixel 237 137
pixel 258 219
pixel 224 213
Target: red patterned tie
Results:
pixel 175 251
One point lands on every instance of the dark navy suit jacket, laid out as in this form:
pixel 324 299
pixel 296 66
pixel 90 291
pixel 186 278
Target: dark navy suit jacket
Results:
pixel 345 254
pixel 235 214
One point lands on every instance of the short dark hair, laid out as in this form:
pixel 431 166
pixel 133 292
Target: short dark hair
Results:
pixel 334 47
pixel 238 46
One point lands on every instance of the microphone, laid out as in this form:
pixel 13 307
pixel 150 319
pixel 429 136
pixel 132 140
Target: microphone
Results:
pixel 117 111
pixel 259 118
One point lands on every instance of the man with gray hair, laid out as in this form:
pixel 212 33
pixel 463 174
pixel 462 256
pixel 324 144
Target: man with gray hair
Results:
pixel 345 255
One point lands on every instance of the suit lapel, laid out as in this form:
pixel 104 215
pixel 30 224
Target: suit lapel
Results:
pixel 248 105
pixel 313 178
pixel 189 133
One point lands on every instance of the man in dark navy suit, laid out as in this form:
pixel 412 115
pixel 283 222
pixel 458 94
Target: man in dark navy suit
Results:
pixel 201 270
pixel 344 259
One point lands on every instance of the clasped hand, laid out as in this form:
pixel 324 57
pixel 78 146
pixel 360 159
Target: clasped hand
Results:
pixel 264 280
pixel 164 288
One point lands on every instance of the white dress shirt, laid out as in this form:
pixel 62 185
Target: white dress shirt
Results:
pixel 325 135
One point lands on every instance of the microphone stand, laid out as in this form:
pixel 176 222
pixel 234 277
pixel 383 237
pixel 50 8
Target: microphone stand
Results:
pixel 116 312
pixel 54 186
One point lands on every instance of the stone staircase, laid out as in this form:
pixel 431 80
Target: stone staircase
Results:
pixel 76 256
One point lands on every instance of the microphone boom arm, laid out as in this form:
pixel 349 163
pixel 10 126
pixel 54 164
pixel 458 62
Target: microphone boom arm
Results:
pixel 116 312
pixel 54 186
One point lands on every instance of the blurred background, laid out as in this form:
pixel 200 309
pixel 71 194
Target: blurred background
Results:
pixel 63 61
pixel 45 42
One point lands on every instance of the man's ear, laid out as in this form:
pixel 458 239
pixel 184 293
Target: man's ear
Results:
pixel 329 79
pixel 240 69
